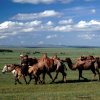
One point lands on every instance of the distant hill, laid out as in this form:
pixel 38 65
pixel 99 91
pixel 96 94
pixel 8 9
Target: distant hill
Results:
pixel 45 46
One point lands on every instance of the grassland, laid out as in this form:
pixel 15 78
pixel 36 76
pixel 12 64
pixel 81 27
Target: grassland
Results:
pixel 72 90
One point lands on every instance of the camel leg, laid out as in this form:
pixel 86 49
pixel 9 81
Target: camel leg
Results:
pixel 43 78
pixel 50 76
pixel 97 70
pixel 80 74
pixel 64 76
pixel 36 79
pixel 93 70
pixel 55 76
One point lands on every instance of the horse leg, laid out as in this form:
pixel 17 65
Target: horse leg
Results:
pixel 30 78
pixel 17 79
pixel 25 79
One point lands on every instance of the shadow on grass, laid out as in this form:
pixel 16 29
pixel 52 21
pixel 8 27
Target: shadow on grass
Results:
pixel 75 81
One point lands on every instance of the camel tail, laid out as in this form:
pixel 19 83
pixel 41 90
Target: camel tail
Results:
pixel 64 65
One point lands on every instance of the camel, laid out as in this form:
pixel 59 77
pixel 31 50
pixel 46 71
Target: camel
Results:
pixel 84 63
pixel 47 65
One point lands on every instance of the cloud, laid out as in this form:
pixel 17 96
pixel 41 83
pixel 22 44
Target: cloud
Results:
pixel 34 1
pixel 40 42
pixel 69 21
pixel 66 28
pixel 49 23
pixel 66 1
pixel 2 37
pixel 31 16
pixel 93 11
pixel 88 26
pixel 42 1
pixel 87 36
pixel 11 28
pixel 51 36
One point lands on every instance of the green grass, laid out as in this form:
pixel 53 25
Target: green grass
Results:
pixel 72 90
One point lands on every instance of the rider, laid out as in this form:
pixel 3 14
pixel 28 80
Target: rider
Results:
pixel 21 57
pixel 24 64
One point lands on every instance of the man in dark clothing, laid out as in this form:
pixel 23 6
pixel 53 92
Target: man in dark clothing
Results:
pixel 24 64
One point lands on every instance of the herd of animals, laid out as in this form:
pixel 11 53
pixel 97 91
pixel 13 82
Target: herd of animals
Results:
pixel 46 65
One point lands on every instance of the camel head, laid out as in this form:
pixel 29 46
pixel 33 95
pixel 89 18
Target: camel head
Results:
pixel 68 60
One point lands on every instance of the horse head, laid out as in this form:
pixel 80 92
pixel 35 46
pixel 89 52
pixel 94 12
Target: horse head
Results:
pixel 7 68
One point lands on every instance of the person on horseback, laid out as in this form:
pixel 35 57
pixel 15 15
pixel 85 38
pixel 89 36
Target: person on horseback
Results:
pixel 24 64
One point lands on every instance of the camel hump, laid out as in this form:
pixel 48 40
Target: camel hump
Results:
pixel 90 57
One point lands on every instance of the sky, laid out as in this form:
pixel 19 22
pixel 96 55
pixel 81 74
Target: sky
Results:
pixel 57 22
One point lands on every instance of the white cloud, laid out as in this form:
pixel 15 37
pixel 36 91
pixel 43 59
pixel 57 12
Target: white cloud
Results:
pixel 87 36
pixel 34 1
pixel 51 36
pixel 91 25
pixel 93 11
pixel 31 16
pixel 40 42
pixel 82 24
pixel 2 37
pixel 49 23
pixel 42 1
pixel 69 21
pixel 66 28
pixel 65 1
pixel 11 28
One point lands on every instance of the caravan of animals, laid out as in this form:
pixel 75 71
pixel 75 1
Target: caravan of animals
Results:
pixel 37 68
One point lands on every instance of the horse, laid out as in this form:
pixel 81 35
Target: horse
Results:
pixel 15 69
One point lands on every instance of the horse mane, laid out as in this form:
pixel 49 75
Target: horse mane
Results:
pixel 16 65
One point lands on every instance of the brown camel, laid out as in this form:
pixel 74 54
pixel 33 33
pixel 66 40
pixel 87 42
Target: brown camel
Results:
pixel 48 65
pixel 97 59
pixel 84 63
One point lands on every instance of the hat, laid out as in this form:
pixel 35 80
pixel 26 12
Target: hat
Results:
pixel 21 55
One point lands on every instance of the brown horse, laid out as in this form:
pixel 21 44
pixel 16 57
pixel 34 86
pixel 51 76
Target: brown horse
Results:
pixel 15 69
pixel 84 63
pixel 47 65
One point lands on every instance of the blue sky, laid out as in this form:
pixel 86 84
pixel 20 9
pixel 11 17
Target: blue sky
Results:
pixel 59 22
